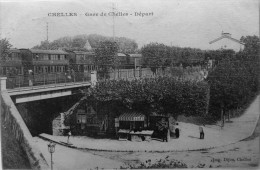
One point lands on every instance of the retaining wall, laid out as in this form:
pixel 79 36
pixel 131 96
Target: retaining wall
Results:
pixel 22 134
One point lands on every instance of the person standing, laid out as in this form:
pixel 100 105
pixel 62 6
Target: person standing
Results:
pixel 73 75
pixel 69 134
pixel 177 133
pixel 201 132
pixel 165 133
pixel 30 77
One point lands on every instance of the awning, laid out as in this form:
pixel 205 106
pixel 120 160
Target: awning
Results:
pixel 131 116
pixel 143 132
pixel 123 131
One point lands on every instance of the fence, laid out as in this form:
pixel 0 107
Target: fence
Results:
pixel 18 81
pixel 127 74
pixel 77 74
pixel 130 74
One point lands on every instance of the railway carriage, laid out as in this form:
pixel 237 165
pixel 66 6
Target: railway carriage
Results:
pixel 11 63
pixel 44 66
pixel 28 67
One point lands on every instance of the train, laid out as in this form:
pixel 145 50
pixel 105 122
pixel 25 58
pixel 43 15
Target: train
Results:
pixel 20 61
pixel 50 66
pixel 26 67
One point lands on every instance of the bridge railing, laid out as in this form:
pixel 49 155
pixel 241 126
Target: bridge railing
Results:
pixel 18 81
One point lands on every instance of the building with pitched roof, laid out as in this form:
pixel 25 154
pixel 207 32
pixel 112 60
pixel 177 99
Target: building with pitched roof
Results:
pixel 225 41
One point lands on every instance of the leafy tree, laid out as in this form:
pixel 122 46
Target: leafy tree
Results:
pixel 229 85
pixel 106 55
pixel 250 57
pixel 155 55
pixel 235 79
pixel 251 44
pixel 45 45
pixel 78 42
pixel 4 47
pixel 159 55
pixel 162 95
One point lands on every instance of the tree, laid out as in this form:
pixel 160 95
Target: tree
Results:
pixel 234 81
pixel 229 85
pixel 251 44
pixel 159 55
pixel 45 45
pixel 162 95
pixel 4 47
pixel 78 42
pixel 106 55
pixel 250 56
pixel 155 55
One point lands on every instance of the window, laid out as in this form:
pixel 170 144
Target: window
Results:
pixel 45 57
pixel 36 56
pixel 81 118
pixel 1 71
pixel 62 57
pixel 54 57
pixel 14 56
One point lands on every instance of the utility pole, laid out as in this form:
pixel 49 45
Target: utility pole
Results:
pixel 114 43
pixel 47 31
pixel 47 34
pixel 44 19
pixel 113 8
pixel 171 56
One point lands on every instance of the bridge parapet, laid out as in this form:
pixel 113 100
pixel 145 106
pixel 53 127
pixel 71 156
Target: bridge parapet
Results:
pixel 12 119
pixel 3 83
pixel 20 81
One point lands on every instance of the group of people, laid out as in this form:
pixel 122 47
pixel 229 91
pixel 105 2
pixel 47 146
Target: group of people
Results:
pixel 175 133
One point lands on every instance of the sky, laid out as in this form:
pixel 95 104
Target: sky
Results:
pixel 183 23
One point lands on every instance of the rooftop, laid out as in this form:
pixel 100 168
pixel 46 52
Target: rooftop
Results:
pixel 84 52
pixel 48 51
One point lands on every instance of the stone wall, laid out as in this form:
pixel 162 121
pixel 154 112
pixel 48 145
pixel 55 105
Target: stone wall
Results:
pixel 13 119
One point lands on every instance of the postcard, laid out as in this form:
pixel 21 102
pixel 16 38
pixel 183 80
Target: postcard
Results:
pixel 149 84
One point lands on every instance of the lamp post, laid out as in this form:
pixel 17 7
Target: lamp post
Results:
pixel 51 148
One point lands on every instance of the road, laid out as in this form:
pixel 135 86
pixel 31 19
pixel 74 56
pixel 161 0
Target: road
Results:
pixel 65 158
pixel 241 154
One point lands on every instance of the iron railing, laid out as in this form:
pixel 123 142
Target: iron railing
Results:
pixel 75 75
pixel 19 81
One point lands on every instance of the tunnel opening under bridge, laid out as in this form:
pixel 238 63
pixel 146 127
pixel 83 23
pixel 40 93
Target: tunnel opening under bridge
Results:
pixel 40 116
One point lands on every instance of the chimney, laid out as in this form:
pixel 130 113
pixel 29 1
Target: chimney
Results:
pixel 225 34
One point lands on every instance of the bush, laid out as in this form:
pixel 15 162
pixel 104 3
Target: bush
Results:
pixel 162 163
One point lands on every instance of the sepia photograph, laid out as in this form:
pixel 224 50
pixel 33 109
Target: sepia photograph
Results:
pixel 133 84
